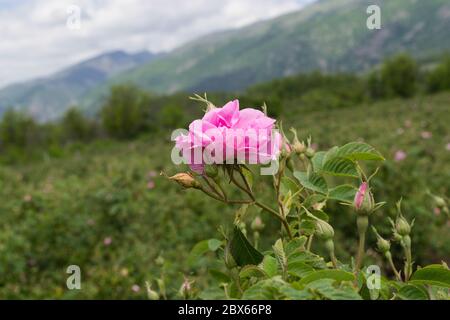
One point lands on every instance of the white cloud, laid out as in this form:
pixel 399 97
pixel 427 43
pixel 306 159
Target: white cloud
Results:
pixel 35 40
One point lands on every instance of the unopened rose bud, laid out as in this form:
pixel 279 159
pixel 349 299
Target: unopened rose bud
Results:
pixel 383 245
pixel 364 202
pixel 211 171
pixel 152 294
pixel 299 147
pixel 185 180
pixel 402 226
pixel 324 230
pixel 310 152
pixel 257 224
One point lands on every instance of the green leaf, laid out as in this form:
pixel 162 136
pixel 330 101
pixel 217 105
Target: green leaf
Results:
pixel 313 199
pixel 326 288
pixel 358 151
pixel 317 161
pixel 280 254
pixel 242 251
pixel 344 193
pixel 252 272
pixel 268 289
pixel 309 258
pixel 219 276
pixel 296 244
pixel 212 294
pixel 287 184
pixel 337 275
pixel 340 167
pixel 432 275
pixel 319 214
pixel 270 265
pixel 307 227
pixel 201 248
pixel 299 269
pixel 312 181
pixel 294 294
pixel 214 244
pixel 412 292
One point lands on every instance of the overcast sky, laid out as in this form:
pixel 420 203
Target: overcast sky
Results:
pixel 35 39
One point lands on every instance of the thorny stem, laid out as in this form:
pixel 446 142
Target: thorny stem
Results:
pixel 259 204
pixel 212 187
pixel 275 214
pixel 391 264
pixel 359 257
pixel 362 223
pixel 246 190
pixel 252 201
pixel 406 243
pixel 308 245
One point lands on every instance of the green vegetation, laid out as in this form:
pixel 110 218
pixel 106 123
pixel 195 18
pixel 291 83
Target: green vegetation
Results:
pixel 71 193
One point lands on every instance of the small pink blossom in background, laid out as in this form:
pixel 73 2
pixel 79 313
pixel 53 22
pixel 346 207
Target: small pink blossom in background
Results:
pixel 400 155
pixel 437 211
pixel 408 123
pixel 107 241
pixel 27 198
pixel 447 147
pixel 135 288
pixel 426 134
pixel 150 185
pixel 152 174
pixel 400 131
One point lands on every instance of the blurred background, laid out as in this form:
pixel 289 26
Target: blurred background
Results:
pixel 90 92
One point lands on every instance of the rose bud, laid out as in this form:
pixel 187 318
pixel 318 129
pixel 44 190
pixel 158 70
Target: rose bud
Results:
pixel 402 226
pixel 324 230
pixel 382 244
pixel 185 180
pixel 363 202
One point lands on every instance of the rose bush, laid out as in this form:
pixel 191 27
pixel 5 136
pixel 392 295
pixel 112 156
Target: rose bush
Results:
pixel 304 184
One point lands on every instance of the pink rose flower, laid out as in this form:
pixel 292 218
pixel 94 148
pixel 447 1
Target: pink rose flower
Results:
pixel 229 135
pixel 400 155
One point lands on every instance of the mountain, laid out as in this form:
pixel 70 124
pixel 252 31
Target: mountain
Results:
pixel 48 98
pixel 330 35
